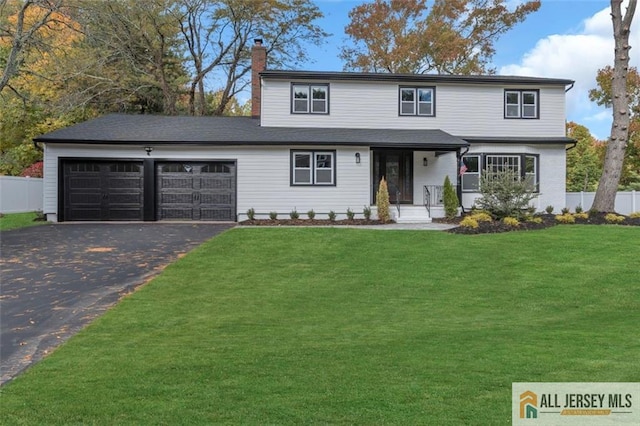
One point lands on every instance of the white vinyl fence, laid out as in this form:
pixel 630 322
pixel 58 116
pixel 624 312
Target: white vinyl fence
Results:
pixel 20 194
pixel 626 201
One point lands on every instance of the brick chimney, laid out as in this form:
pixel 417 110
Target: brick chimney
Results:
pixel 258 64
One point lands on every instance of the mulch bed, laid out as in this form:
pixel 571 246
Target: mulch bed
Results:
pixel 548 220
pixel 309 222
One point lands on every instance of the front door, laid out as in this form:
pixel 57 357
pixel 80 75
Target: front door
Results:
pixel 397 169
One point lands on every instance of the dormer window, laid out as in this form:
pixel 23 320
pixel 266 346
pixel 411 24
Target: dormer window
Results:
pixel 417 101
pixel 521 103
pixel 310 98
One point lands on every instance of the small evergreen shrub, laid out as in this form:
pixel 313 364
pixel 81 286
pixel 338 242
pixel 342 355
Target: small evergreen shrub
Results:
pixel 469 222
pixel 579 209
pixel 505 194
pixel 273 215
pixel 451 201
pixel 367 212
pixel 311 214
pixel 481 216
pixel 565 218
pixel 350 214
pixel 382 201
pixel 294 214
pixel 580 214
pixel 251 214
pixel 549 209
pixel 332 216
pixel 635 215
pixel 565 210
pixel 511 221
pixel 613 218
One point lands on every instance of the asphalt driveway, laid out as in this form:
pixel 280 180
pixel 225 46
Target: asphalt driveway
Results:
pixel 57 278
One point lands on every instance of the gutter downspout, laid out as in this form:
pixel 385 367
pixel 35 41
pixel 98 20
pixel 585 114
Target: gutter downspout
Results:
pixel 35 145
pixel 570 87
pixel 459 185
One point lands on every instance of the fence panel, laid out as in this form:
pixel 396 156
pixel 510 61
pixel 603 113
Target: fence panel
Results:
pixel 20 194
pixel 626 201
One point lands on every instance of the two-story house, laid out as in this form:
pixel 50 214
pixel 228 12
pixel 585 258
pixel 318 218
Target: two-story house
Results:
pixel 316 140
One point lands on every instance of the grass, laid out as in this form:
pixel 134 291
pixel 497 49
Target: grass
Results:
pixel 290 326
pixel 18 220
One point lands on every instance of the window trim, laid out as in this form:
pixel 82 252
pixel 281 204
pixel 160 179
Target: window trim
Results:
pixel 482 166
pixel 416 101
pixel 313 166
pixel 521 93
pixel 309 87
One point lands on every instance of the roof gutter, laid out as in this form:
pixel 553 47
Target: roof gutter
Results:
pixel 570 87
pixel 573 145
pixel 36 146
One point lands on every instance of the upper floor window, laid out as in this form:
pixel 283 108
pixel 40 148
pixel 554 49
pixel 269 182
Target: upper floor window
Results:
pixel 310 98
pixel 417 101
pixel 313 167
pixel 521 103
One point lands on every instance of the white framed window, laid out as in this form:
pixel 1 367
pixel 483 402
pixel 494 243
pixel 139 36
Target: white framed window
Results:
pixel 313 168
pixel 526 166
pixel 521 103
pixel 309 98
pixel 417 101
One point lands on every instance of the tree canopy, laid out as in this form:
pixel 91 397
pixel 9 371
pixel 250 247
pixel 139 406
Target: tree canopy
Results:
pixel 416 36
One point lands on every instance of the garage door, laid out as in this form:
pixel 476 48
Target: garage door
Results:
pixel 196 190
pixel 96 190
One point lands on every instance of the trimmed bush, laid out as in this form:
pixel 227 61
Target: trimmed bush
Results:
pixel 549 209
pixel 481 216
pixel 505 194
pixel 580 214
pixel 367 212
pixel 273 215
pixel 565 210
pixel 451 201
pixel 350 214
pixel 469 222
pixel 565 218
pixel 613 218
pixel 534 219
pixel 311 214
pixel 511 221
pixel 251 214
pixel 382 201
pixel 332 216
pixel 579 209
pixel 635 215
pixel 294 214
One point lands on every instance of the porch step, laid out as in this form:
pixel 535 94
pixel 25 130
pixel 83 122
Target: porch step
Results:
pixel 410 214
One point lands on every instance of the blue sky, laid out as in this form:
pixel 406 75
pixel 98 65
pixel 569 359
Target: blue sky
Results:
pixel 565 39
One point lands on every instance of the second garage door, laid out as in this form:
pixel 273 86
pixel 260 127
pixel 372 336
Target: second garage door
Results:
pixel 196 190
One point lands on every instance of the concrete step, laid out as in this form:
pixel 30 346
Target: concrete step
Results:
pixel 411 214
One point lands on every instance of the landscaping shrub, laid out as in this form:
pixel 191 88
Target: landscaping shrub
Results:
pixel 311 214
pixel 481 216
pixel 613 218
pixel 273 215
pixel 511 221
pixel 367 212
pixel 294 214
pixel 579 209
pixel 534 219
pixel 350 214
pixel 35 170
pixel 565 218
pixel 635 215
pixel 580 214
pixel 469 222
pixel 565 210
pixel 451 201
pixel 549 209
pixel 505 194
pixel 251 214
pixel 382 201
pixel 332 216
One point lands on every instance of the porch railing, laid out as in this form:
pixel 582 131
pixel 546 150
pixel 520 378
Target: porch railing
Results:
pixel 433 195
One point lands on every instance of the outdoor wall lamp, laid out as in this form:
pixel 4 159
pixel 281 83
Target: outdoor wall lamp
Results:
pixel 357 158
pixel 148 149
pixel 425 162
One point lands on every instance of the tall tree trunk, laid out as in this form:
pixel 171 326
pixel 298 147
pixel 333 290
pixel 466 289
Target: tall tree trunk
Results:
pixel 608 185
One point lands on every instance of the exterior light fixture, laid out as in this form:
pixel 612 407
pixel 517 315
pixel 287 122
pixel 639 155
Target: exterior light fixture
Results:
pixel 357 158
pixel 425 162
pixel 148 149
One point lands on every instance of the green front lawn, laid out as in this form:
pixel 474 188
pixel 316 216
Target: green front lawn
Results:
pixel 350 326
pixel 18 220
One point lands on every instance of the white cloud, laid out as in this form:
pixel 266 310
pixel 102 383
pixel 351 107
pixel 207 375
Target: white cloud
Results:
pixel 578 57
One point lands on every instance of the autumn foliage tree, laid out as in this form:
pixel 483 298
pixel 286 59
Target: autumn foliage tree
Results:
pixel 584 165
pixel 416 36
pixel 605 197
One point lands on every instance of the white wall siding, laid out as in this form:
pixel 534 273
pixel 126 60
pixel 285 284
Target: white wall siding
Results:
pixel 263 175
pixel 462 110
pixel 551 172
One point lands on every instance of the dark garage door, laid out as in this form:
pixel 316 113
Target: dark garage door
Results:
pixel 96 190
pixel 196 190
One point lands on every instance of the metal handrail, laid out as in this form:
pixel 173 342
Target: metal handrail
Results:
pixel 426 199
pixel 398 193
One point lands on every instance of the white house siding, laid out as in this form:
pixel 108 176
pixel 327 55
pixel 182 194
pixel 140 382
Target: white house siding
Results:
pixel 551 168
pixel 461 109
pixel 263 175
